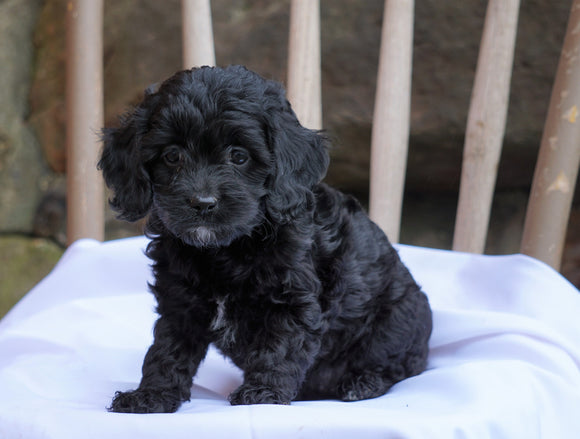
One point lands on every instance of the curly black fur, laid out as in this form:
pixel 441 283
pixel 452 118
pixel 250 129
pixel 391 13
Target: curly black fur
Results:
pixel 285 275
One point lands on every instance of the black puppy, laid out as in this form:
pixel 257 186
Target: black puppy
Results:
pixel 285 275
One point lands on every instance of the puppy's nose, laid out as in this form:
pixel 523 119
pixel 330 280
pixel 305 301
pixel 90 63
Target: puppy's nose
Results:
pixel 203 204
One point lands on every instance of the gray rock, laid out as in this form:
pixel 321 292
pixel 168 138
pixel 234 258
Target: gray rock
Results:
pixel 22 169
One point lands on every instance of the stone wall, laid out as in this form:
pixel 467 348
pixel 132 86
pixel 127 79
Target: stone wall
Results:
pixel 142 46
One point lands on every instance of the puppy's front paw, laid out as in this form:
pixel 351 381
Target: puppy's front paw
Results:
pixel 144 401
pixel 248 394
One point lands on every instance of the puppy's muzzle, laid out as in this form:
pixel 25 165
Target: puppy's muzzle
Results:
pixel 203 205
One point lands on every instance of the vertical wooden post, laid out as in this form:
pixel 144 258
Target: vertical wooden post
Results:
pixel 84 105
pixel 304 89
pixel 390 133
pixel 198 44
pixel 559 157
pixel 486 125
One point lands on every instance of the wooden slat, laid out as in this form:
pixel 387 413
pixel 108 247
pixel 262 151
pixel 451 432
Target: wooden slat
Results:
pixel 303 84
pixel 557 167
pixel 486 125
pixel 391 118
pixel 84 104
pixel 198 43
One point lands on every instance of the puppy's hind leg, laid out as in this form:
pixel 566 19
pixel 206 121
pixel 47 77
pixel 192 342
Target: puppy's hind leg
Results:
pixel 365 385
pixel 390 353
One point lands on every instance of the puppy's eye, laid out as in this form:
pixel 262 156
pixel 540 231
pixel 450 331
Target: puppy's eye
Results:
pixel 172 156
pixel 238 156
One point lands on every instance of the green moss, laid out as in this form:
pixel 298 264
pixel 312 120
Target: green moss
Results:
pixel 23 263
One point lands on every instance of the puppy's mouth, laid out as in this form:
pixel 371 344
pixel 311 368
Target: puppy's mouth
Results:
pixel 201 236
pixel 210 232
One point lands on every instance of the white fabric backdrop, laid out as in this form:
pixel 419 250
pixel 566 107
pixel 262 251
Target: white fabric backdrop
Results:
pixel 504 360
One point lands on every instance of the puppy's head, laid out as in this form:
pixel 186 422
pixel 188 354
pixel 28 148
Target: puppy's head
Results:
pixel 212 154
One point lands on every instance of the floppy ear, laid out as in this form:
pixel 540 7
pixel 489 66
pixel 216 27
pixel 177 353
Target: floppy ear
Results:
pixel 301 161
pixel 123 166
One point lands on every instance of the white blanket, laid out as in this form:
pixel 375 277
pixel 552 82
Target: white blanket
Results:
pixel 504 360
